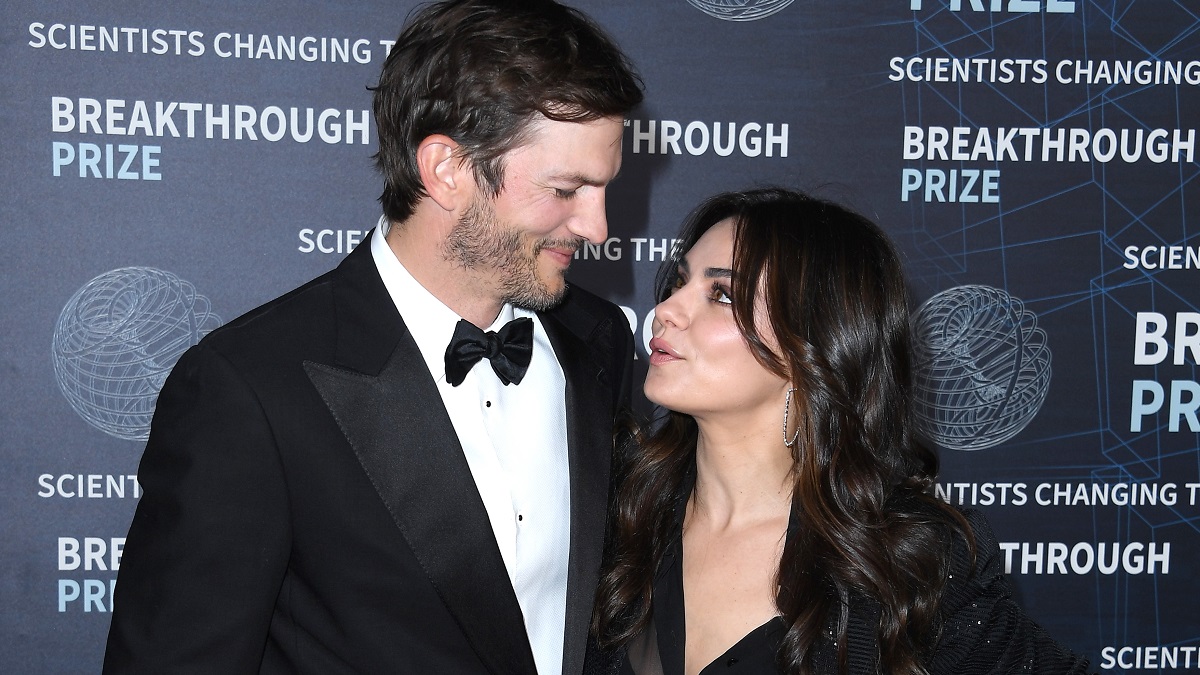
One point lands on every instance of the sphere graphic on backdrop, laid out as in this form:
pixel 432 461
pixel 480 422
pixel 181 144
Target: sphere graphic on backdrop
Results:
pixel 982 367
pixel 117 339
pixel 739 10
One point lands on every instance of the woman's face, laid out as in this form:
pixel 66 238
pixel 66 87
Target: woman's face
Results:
pixel 699 362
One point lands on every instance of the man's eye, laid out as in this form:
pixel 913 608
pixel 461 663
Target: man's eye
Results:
pixel 564 194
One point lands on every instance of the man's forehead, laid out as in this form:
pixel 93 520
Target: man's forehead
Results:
pixel 608 128
pixel 585 152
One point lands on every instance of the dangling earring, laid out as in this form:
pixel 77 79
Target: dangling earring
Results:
pixel 787 408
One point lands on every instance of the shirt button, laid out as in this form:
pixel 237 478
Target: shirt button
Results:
pixel 731 663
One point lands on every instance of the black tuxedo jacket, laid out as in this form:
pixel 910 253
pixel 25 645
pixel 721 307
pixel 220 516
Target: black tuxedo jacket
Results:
pixel 307 507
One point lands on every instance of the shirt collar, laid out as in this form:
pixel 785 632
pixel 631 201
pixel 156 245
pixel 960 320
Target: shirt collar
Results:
pixel 428 319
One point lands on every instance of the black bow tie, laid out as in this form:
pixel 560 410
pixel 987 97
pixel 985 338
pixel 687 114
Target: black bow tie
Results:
pixel 508 351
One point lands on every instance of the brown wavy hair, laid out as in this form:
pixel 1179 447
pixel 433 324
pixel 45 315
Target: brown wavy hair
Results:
pixel 481 72
pixel 863 523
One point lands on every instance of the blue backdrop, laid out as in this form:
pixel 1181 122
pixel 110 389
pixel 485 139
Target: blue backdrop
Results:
pixel 169 166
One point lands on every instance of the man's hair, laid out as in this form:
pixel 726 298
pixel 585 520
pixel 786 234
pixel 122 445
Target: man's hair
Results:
pixel 482 72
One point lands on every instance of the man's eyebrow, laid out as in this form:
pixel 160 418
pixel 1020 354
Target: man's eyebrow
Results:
pixel 577 178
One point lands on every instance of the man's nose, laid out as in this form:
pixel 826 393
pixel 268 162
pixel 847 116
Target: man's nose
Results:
pixel 591 222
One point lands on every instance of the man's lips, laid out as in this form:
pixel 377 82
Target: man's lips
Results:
pixel 563 255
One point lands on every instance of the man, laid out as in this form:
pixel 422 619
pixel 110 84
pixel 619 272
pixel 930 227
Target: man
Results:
pixel 402 466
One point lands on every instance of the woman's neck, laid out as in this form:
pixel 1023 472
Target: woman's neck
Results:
pixel 741 478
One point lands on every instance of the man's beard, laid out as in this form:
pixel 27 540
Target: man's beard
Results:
pixel 481 242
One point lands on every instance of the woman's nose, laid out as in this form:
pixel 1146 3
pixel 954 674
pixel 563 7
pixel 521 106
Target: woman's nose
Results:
pixel 671 311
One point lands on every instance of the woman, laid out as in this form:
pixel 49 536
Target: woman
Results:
pixel 785 495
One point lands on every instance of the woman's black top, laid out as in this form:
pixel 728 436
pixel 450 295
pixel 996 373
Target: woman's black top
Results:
pixel 983 630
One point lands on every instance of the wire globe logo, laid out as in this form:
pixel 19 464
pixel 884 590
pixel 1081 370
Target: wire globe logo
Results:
pixel 982 364
pixel 117 339
pixel 739 10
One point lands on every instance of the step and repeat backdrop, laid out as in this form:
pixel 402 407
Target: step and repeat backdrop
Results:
pixel 168 166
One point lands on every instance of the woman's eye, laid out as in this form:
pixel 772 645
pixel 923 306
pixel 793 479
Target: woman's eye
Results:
pixel 678 283
pixel 719 294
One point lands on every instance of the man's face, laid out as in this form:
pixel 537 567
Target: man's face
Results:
pixel 520 243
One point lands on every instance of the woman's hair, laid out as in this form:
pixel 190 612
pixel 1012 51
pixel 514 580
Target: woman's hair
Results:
pixel 863 524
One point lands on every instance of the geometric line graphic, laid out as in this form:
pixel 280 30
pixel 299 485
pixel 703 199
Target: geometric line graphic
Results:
pixel 739 10
pixel 117 339
pixel 982 364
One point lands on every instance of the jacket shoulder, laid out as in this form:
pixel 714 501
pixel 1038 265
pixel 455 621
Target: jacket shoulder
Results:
pixel 299 316
pixel 585 313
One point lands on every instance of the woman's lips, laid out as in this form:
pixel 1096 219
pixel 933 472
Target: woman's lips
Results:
pixel 661 352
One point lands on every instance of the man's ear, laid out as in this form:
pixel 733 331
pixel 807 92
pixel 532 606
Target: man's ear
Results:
pixel 445 175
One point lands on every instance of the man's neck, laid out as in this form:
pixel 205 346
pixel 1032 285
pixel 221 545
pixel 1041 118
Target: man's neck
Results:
pixel 419 248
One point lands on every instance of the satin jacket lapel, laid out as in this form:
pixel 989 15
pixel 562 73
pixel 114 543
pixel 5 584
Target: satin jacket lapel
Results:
pixel 388 407
pixel 589 450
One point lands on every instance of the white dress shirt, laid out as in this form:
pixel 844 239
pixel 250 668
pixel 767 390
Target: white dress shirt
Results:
pixel 515 441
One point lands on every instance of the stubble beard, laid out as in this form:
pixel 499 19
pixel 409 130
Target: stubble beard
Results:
pixel 480 242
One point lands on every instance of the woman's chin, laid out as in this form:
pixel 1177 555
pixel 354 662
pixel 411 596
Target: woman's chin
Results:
pixel 665 400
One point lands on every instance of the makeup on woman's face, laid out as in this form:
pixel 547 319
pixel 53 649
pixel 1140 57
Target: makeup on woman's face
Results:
pixel 699 361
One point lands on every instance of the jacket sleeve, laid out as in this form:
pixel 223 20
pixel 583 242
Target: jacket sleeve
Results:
pixel 207 549
pixel 984 630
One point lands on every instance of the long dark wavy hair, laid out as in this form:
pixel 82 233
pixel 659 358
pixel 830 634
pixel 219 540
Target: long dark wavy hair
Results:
pixel 863 524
